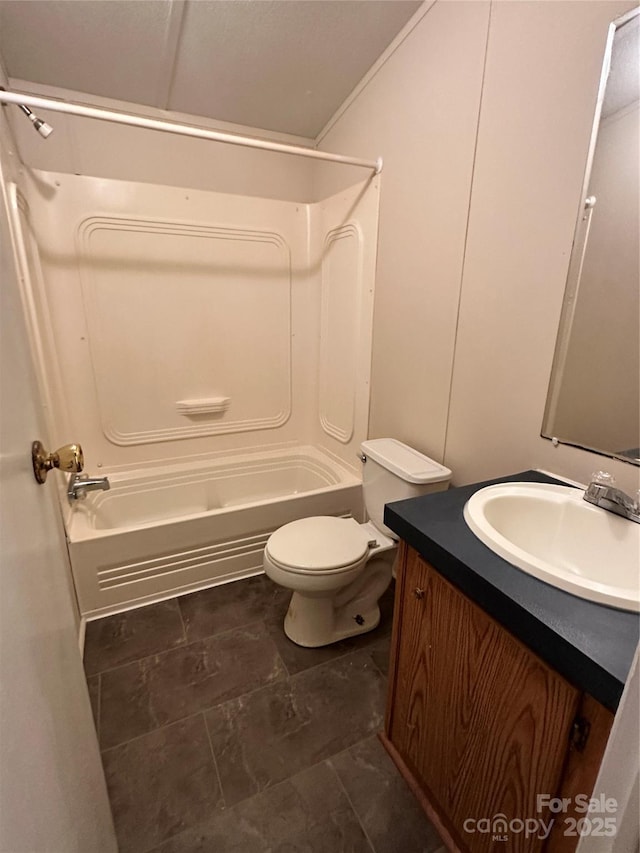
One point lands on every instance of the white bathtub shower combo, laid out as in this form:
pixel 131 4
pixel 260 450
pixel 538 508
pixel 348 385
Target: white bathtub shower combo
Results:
pixel 211 352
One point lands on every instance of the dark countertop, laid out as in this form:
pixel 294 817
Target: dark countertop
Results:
pixel 590 644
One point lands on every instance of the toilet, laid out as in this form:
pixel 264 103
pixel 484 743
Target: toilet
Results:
pixel 338 568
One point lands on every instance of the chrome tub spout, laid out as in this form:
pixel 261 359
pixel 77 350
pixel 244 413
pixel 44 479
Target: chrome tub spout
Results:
pixel 80 484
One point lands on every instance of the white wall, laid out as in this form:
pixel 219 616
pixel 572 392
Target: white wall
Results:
pixel 543 68
pixel 467 382
pixel 420 113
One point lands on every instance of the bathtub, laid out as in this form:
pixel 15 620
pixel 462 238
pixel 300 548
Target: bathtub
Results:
pixel 159 532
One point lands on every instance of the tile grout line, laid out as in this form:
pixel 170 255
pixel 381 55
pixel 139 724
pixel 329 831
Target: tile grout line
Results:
pixel 353 808
pixel 326 760
pixel 365 648
pixel 288 779
pixel 180 647
pixel 440 849
pixel 248 693
pixel 128 612
pixel 385 675
pixel 215 762
pixel 185 643
pixel 264 791
pixel 205 710
pixel 151 731
pixel 302 672
pixel 280 658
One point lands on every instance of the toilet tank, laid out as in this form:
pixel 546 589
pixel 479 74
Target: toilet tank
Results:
pixel 392 472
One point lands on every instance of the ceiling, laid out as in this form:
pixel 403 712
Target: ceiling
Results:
pixel 282 65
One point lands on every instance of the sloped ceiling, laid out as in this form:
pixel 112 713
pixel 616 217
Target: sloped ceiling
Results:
pixel 283 65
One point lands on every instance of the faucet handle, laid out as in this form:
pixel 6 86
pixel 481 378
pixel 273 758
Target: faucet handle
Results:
pixel 603 478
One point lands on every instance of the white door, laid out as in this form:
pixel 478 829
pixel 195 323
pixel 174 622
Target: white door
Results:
pixel 53 796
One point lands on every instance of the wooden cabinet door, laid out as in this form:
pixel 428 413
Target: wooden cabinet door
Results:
pixel 481 722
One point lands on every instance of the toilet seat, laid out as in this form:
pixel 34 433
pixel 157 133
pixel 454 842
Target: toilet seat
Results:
pixel 320 544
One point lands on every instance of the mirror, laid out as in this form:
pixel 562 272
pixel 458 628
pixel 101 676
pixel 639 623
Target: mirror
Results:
pixel 594 393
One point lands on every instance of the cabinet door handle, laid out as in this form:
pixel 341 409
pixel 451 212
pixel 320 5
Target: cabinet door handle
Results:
pixel 418 593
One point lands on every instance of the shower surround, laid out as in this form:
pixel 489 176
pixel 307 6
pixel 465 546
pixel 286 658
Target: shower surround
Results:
pixel 211 353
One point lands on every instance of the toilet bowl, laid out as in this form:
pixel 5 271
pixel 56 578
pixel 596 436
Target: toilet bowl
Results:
pixel 337 568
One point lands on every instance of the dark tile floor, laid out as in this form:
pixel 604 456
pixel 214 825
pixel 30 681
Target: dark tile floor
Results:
pixel 219 735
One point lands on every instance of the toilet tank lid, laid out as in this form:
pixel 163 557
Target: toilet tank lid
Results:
pixel 404 461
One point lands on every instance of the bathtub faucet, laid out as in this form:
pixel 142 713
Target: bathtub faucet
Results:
pixel 80 484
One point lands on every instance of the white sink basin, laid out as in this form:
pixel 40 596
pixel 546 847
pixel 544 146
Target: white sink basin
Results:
pixel 550 532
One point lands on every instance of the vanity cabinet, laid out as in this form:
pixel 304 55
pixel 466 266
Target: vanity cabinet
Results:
pixel 477 723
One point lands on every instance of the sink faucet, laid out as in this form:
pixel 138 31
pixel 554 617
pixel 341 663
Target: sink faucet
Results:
pixel 601 492
pixel 80 484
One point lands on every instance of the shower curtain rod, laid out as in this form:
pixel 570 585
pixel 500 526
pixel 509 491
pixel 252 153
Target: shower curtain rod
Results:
pixel 182 129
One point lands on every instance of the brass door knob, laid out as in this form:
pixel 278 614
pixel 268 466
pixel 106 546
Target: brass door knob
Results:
pixel 69 457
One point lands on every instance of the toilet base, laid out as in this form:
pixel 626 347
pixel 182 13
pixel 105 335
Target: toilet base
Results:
pixel 313 622
pixel 316 619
